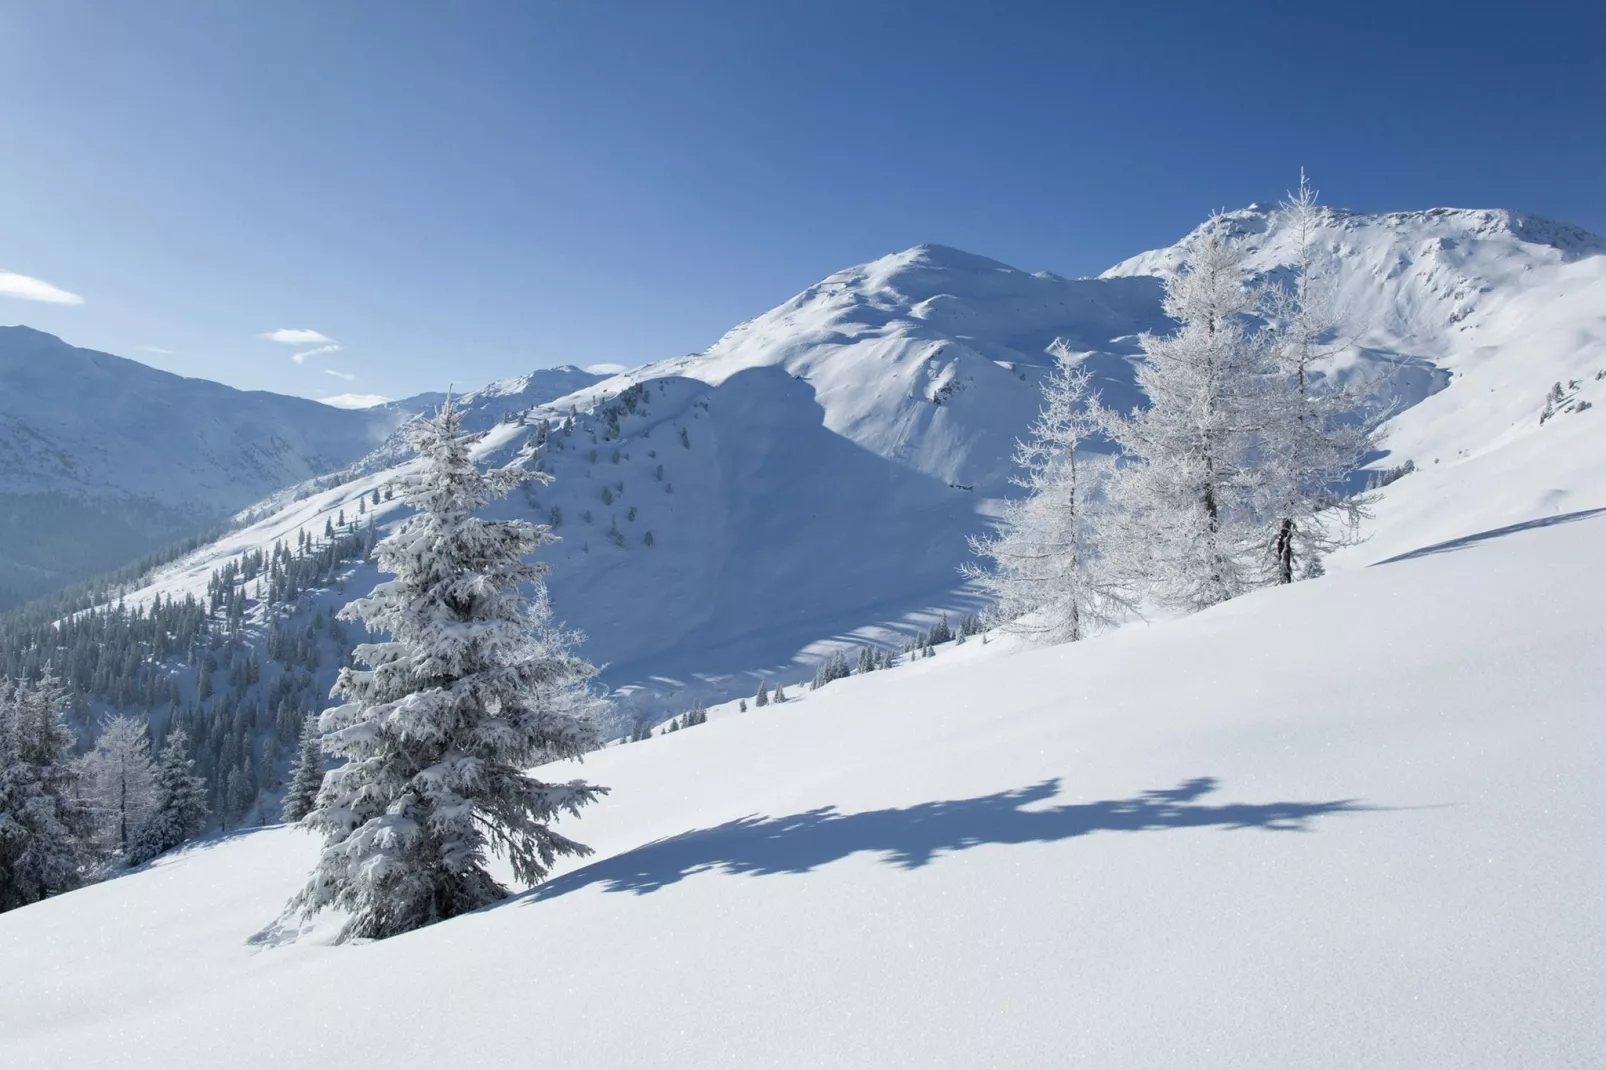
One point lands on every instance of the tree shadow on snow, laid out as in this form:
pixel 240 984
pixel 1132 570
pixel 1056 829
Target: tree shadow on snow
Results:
pixel 1493 533
pixel 911 837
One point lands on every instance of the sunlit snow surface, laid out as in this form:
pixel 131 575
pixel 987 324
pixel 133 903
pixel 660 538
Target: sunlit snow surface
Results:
pixel 1350 823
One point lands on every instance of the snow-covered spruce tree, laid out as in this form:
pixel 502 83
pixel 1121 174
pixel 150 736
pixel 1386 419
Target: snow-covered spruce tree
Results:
pixel 763 696
pixel 1321 432
pixel 1184 526
pixel 180 810
pixel 1041 571
pixel 44 827
pixel 834 667
pixel 475 686
pixel 119 782
pixel 306 773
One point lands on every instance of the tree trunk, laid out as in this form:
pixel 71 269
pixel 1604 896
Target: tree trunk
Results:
pixel 1283 551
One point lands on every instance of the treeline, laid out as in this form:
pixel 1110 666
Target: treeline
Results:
pixel 67 820
pixel 238 694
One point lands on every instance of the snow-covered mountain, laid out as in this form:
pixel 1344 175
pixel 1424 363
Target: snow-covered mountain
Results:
pixel 103 458
pixel 866 425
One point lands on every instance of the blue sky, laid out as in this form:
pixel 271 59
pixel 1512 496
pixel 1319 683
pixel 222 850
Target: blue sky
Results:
pixel 454 192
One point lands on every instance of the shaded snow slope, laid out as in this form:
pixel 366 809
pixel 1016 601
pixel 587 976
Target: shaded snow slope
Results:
pixel 1349 823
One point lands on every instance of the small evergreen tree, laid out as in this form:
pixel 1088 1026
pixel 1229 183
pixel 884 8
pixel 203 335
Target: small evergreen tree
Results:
pixel 180 810
pixel 780 694
pixel 834 667
pixel 306 772
pixel 763 696
pixel 475 686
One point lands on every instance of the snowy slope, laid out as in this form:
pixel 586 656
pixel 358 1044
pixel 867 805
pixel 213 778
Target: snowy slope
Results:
pixel 1349 823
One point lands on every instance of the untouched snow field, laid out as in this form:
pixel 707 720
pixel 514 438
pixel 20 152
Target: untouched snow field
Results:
pixel 1354 822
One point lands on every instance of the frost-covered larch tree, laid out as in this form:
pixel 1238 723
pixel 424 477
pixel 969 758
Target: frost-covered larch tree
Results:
pixel 119 780
pixel 475 686
pixel 306 773
pixel 1320 431
pixel 1185 528
pixel 1041 566
pixel 180 809
pixel 44 827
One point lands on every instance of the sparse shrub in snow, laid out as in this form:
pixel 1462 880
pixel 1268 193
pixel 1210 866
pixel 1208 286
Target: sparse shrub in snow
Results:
pixel 180 810
pixel 475 686
pixel 741 705
pixel 44 825
pixel 1380 479
pixel 1559 400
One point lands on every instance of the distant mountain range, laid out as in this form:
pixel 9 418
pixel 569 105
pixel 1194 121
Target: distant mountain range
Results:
pixel 103 459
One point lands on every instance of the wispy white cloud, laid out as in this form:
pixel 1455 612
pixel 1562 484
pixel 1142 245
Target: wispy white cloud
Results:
pixel 339 375
pixel 157 349
pixel 27 288
pixel 355 401
pixel 297 336
pixel 302 356
pixel 607 369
